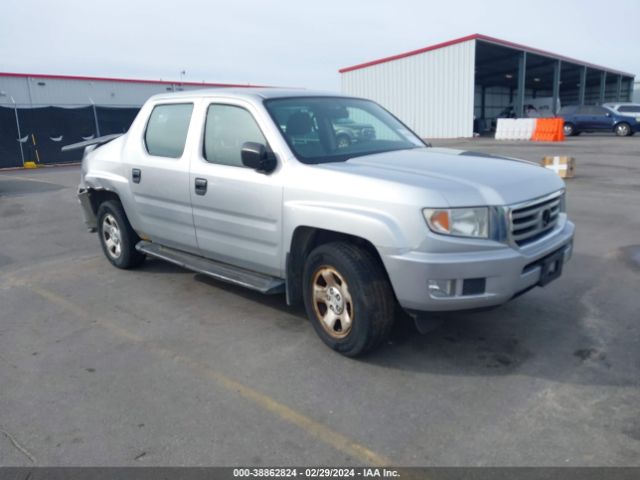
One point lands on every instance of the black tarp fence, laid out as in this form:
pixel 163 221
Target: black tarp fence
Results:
pixel 45 130
pixel 9 146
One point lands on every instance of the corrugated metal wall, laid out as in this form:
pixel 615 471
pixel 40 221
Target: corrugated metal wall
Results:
pixel 432 92
pixel 40 92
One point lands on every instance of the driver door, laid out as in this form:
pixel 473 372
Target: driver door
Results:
pixel 237 211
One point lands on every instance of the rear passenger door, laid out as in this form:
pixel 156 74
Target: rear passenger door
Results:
pixel 158 173
pixel 237 211
pixel 582 118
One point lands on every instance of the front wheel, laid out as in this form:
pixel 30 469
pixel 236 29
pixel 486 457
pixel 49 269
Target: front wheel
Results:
pixel 117 237
pixel 348 298
pixel 343 141
pixel 622 129
pixel 569 129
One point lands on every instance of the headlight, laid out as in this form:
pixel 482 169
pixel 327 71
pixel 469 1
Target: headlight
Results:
pixel 563 203
pixel 459 222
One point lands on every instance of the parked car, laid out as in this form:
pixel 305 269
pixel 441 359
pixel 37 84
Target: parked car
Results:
pixel 349 131
pixel 593 118
pixel 252 187
pixel 346 130
pixel 539 107
pixel 627 108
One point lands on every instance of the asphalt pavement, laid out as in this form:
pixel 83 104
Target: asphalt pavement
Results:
pixel 161 366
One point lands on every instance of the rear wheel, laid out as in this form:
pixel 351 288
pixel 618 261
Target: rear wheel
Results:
pixel 622 129
pixel 117 237
pixel 348 298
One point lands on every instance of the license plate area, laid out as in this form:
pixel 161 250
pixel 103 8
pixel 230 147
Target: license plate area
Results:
pixel 551 267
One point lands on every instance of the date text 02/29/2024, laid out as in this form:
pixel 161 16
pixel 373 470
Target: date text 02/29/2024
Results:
pixel 315 473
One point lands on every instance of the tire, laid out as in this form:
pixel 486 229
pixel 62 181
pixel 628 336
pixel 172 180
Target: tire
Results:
pixel 345 283
pixel 569 129
pixel 622 129
pixel 343 141
pixel 117 238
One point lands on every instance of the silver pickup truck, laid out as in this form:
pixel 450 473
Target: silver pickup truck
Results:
pixel 254 187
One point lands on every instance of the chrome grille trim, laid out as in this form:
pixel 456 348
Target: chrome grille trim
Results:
pixel 532 220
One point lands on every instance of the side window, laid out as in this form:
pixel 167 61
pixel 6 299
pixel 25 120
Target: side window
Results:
pixel 629 109
pixel 227 128
pixel 167 128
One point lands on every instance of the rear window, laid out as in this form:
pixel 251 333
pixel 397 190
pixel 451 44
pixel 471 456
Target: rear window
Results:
pixel 629 109
pixel 167 129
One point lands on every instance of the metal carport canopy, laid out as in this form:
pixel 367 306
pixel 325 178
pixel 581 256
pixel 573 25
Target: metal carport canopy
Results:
pixel 553 68
pixel 488 39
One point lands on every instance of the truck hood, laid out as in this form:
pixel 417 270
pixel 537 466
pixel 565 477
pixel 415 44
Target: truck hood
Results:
pixel 462 178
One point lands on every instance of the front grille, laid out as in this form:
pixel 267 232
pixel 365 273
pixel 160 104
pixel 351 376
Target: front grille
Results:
pixel 533 221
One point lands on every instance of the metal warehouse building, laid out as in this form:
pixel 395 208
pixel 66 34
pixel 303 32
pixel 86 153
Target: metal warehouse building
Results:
pixel 456 88
pixel 41 113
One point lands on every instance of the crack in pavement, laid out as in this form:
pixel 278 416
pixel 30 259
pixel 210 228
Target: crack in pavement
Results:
pixel 17 445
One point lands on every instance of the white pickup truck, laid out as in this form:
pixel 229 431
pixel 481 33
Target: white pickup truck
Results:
pixel 257 187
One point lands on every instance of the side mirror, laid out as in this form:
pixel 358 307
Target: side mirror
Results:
pixel 256 156
pixel 608 114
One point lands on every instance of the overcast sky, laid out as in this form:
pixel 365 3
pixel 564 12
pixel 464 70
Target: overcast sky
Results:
pixel 292 43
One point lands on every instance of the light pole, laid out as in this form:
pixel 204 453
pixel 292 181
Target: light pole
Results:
pixel 15 109
pixel 95 117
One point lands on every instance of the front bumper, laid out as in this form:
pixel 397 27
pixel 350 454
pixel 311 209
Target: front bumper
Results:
pixel 507 272
pixel 89 216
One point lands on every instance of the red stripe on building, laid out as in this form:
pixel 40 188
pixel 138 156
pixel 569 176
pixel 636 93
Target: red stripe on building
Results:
pixel 125 80
pixel 484 38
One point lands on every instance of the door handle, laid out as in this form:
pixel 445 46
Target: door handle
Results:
pixel 201 186
pixel 136 175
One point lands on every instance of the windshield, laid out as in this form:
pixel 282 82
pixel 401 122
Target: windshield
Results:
pixel 334 129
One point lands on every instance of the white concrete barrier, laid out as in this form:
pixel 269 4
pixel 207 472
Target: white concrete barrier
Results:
pixel 515 128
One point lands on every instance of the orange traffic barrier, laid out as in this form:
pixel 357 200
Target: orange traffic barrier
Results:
pixel 559 130
pixel 548 130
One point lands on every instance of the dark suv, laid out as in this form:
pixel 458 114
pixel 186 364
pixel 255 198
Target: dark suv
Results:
pixel 349 131
pixel 592 118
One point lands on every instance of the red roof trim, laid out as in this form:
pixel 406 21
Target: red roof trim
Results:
pixel 409 54
pixel 123 80
pixel 485 38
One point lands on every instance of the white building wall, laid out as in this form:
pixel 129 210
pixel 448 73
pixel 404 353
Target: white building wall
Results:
pixel 432 92
pixel 42 92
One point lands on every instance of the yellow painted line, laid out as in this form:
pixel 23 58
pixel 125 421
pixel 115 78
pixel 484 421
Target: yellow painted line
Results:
pixel 310 426
pixel 58 300
pixel 82 313
pixel 25 179
pixel 62 266
pixel 288 414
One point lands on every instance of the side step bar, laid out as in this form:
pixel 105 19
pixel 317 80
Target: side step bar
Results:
pixel 220 271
